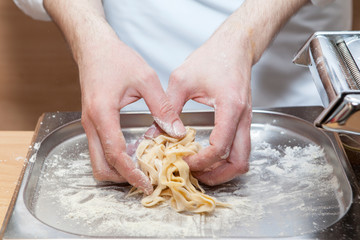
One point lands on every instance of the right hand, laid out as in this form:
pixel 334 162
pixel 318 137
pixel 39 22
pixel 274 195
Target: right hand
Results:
pixel 112 76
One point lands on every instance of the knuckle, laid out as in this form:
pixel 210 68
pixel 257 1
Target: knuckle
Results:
pixel 92 112
pixel 116 159
pixel 149 75
pixel 100 175
pixel 85 122
pixel 147 79
pixel 222 151
pixel 165 107
pixel 110 157
pixel 238 104
pixel 241 167
pixel 236 100
pixel 177 76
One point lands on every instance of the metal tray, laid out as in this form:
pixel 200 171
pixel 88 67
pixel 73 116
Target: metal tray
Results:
pixel 297 186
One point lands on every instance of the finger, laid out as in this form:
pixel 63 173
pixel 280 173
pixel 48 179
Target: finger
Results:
pixel 238 162
pixel 114 147
pixel 161 108
pixel 101 169
pixel 153 131
pixel 131 147
pixel 176 93
pixel 227 117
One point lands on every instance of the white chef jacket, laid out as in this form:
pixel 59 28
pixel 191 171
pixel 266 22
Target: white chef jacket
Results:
pixel 165 32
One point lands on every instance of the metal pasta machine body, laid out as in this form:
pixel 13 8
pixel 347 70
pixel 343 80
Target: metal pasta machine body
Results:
pixel 334 59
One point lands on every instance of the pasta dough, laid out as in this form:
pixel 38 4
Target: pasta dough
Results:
pixel 161 159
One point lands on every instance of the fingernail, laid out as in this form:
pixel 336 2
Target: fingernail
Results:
pixel 150 132
pixel 179 128
pixel 148 188
pixel 148 191
pixel 143 183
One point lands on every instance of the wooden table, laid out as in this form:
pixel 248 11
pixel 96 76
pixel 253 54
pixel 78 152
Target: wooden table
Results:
pixel 14 146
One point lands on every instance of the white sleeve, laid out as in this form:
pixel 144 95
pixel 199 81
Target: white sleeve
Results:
pixel 33 8
pixel 321 3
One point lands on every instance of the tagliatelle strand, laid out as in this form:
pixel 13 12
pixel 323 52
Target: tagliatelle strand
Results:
pixel 161 159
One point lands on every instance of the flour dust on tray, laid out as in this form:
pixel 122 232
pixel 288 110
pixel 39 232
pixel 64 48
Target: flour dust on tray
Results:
pixel 290 189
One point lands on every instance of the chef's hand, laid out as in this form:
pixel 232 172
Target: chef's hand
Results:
pixel 110 80
pixel 112 76
pixel 218 74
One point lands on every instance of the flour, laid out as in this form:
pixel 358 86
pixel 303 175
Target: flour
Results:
pixel 37 146
pixel 288 187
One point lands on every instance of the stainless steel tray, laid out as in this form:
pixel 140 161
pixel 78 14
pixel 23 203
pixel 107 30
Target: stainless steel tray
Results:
pixel 297 186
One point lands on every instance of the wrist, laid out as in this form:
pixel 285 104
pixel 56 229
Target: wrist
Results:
pixel 87 44
pixel 255 24
pixel 238 38
pixel 83 24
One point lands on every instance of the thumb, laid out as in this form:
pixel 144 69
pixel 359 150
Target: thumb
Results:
pixel 162 111
pixel 176 97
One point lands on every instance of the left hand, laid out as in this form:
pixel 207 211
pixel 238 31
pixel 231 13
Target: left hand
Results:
pixel 218 75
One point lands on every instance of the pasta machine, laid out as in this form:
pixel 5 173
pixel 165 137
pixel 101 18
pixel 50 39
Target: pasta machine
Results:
pixel 334 59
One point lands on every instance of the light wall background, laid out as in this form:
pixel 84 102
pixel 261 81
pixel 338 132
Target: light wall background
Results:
pixel 37 72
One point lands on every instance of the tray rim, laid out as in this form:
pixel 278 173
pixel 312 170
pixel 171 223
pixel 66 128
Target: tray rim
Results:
pixel 39 138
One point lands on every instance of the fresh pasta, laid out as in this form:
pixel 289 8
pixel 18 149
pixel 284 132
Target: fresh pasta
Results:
pixel 161 159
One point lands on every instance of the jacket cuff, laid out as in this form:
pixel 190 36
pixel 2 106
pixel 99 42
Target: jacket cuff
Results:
pixel 33 8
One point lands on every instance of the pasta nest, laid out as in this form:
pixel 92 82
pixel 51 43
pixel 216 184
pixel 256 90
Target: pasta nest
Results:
pixel 161 159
